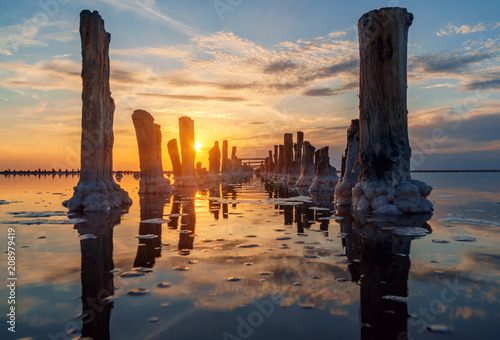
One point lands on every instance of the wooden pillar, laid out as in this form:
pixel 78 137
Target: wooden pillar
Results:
pixel 225 159
pixel 384 150
pixel 173 151
pixel 288 151
pixel 150 156
pixel 96 189
pixel 188 151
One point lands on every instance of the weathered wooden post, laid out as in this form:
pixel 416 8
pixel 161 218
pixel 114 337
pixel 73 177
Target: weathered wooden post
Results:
pixel 287 155
pixel 173 151
pixel 326 175
pixel 225 159
pixel 188 151
pixel 150 157
pixel 350 170
pixel 214 159
pixel 385 185
pixel 96 189
pixel 307 170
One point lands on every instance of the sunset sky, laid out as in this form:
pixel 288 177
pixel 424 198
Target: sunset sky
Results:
pixel 247 71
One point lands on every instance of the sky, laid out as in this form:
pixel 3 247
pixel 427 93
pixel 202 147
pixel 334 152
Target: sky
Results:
pixel 247 71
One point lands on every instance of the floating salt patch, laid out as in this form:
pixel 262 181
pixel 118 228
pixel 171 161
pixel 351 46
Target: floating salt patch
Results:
pixel 440 241
pixel 475 210
pixel 191 261
pixel 142 270
pixel 469 220
pixel 284 246
pixel 393 298
pixel 300 242
pixel 185 231
pixel 284 238
pixel 247 245
pixel 251 236
pixel 248 264
pixel 344 262
pixel 26 246
pixel 302 234
pixel 319 208
pixel 146 237
pixel 40 237
pixel 445 196
pixel 175 215
pixel 137 291
pixel 279 230
pixel 163 285
pixel 153 319
pixel 233 279
pixel 184 252
pixel 181 268
pixel 309 247
pixel 40 221
pixel 356 260
pixel 87 237
pixel 464 239
pixel 438 328
pixel 316 277
pixel 206 240
pixel 234 213
pixel 265 273
pixel 156 220
pixel 220 239
pixel 335 218
pixel 341 279
pixel 407 231
pixel 296 284
pixel 308 256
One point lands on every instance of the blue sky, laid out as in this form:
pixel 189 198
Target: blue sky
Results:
pixel 247 71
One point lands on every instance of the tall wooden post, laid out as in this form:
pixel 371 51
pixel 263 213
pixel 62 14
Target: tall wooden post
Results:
pixel 384 150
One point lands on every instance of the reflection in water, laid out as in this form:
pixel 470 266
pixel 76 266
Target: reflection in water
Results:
pixel 96 276
pixel 380 263
pixel 151 207
pixel 213 205
pixel 188 220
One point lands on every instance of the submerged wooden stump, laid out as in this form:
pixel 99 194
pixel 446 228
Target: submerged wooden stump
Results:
pixel 150 156
pixel 350 170
pixel 385 185
pixel 97 189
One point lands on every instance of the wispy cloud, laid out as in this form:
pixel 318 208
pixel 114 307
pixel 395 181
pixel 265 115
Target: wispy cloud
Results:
pixel 464 29
pixel 150 10
pixel 17 36
pixel 437 85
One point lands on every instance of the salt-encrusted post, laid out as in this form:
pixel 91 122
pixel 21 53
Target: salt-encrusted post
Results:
pixel 307 170
pixel 96 190
pixel 385 185
pixel 225 159
pixel 188 151
pixel 173 151
pixel 214 159
pixel 326 175
pixel 288 152
pixel 350 170
pixel 150 158
pixel 298 150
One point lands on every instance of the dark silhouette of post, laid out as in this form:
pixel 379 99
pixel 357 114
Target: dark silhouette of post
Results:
pixel 384 150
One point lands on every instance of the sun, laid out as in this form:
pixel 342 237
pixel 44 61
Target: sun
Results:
pixel 197 146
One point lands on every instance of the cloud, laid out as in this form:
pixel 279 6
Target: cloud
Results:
pixel 150 10
pixel 437 85
pixel 326 91
pixel 464 29
pixel 483 85
pixel 280 66
pixel 31 33
pixel 167 52
pixel 193 97
pixel 450 63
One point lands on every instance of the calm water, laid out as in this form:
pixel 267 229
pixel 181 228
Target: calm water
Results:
pixel 246 262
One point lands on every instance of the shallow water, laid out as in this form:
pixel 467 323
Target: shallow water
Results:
pixel 247 262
